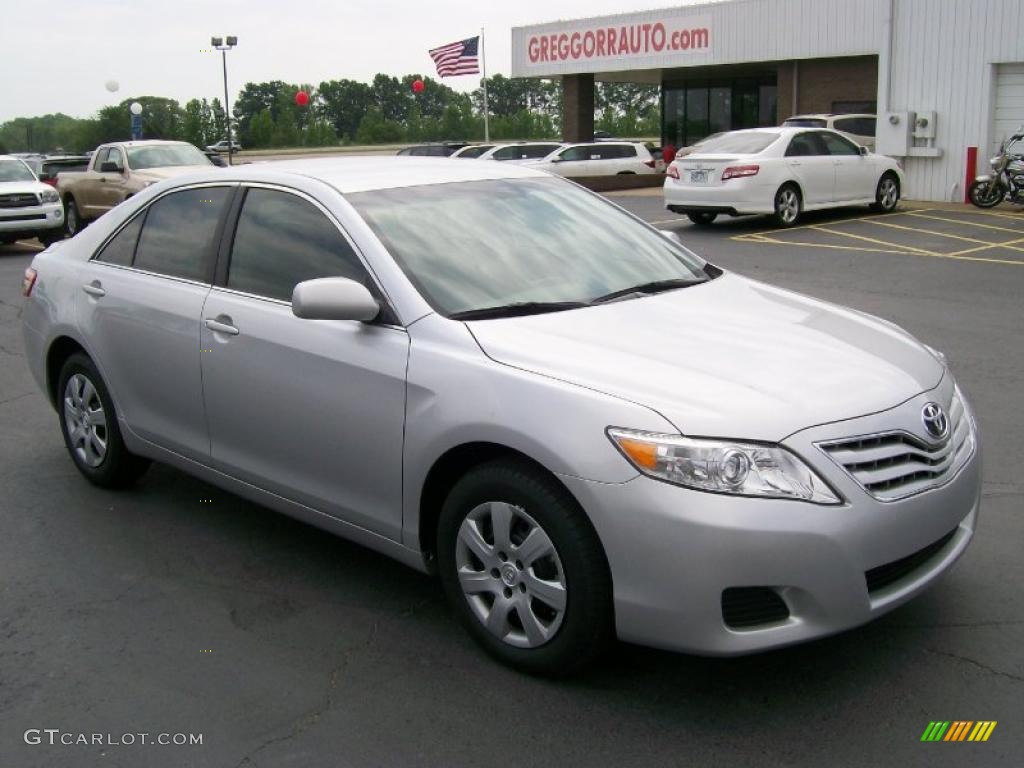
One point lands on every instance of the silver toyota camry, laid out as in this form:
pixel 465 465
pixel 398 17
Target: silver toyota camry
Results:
pixel 483 371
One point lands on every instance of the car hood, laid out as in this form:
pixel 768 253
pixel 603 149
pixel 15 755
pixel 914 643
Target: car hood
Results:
pixel 22 187
pixel 728 358
pixel 169 172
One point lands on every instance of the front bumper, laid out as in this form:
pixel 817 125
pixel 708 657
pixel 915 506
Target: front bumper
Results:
pixel 673 552
pixel 32 220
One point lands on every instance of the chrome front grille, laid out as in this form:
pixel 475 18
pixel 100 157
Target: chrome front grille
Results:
pixel 19 200
pixel 894 465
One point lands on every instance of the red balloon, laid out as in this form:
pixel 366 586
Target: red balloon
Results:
pixel 418 86
pixel 302 98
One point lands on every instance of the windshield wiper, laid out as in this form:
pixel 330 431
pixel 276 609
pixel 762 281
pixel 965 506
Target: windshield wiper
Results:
pixel 657 286
pixel 516 309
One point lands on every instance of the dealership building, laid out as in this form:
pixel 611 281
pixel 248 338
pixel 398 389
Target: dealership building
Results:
pixel 942 76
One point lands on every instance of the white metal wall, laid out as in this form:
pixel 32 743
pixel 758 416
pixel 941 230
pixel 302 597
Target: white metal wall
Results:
pixel 944 58
pixel 1008 112
pixel 741 31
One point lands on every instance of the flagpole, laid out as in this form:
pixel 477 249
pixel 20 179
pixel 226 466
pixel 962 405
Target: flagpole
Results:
pixel 483 62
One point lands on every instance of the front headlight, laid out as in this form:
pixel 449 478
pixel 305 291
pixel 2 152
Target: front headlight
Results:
pixel 49 196
pixel 723 466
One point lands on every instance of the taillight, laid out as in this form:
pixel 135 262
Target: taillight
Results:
pixel 649 163
pixel 740 171
pixel 51 182
pixel 672 171
pixel 28 282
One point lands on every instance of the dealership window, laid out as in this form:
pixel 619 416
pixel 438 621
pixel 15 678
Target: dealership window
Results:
pixel 695 109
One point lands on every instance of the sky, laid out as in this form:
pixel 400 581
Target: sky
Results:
pixel 155 47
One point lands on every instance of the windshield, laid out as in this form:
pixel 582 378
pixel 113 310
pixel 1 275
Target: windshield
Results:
pixel 742 142
pixel 164 155
pixel 14 170
pixel 804 122
pixel 474 245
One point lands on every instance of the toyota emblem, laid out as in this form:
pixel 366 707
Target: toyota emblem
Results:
pixel 936 424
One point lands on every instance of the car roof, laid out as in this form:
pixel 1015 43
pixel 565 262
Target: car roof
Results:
pixel 143 143
pixel 361 174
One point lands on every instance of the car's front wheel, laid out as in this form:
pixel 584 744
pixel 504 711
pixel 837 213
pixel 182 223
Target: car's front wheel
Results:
pixel 89 425
pixel 523 568
pixel 887 194
pixel 788 205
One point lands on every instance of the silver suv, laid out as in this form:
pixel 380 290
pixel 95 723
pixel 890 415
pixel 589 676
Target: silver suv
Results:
pixel 493 374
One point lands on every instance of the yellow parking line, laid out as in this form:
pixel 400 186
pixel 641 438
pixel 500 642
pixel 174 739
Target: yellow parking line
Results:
pixel 986 243
pixel 886 243
pixel 836 247
pixel 839 221
pixel 1009 244
pixel 969 223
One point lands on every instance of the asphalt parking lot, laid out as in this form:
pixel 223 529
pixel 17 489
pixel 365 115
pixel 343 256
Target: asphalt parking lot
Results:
pixel 176 607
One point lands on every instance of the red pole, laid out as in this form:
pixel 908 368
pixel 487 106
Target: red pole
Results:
pixel 972 171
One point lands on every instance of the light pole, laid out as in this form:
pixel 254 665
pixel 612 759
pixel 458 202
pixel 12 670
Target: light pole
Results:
pixel 224 45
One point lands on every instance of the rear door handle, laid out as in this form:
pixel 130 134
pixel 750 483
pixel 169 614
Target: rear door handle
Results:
pixel 94 289
pixel 221 324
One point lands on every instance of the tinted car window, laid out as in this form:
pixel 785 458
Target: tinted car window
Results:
pixel 282 240
pixel 576 153
pixel 507 153
pixel 806 145
pixel 804 122
pixel 121 248
pixel 615 151
pixel 858 126
pixel 179 230
pixel 534 151
pixel 838 145
pixel 473 152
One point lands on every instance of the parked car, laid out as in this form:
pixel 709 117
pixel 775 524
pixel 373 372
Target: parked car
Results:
pixel 47 167
pixel 28 208
pixel 521 151
pixel 225 146
pixel 119 170
pixel 856 127
pixel 493 374
pixel 445 149
pixel 691 148
pixel 781 171
pixel 472 151
pixel 605 158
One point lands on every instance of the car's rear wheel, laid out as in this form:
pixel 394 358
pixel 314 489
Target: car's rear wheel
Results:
pixel 702 218
pixel 524 570
pixel 788 205
pixel 88 422
pixel 72 218
pixel 887 194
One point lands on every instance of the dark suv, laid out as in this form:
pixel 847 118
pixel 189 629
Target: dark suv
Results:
pixel 434 150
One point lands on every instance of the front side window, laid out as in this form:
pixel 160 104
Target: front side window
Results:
pixel 806 145
pixel 178 236
pixel 282 240
pixel 120 249
pixel 114 156
pixel 536 151
pixel 507 153
pixel 838 145
pixel 481 244
pixel 576 153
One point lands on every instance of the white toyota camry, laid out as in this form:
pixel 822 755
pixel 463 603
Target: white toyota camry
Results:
pixel 780 171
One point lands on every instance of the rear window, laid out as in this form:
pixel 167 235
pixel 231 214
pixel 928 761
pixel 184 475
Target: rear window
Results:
pixel 804 122
pixel 741 143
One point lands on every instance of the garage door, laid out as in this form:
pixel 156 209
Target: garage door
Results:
pixel 1009 112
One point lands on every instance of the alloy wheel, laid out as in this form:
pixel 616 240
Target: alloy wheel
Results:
pixel 888 194
pixel 788 205
pixel 85 420
pixel 510 574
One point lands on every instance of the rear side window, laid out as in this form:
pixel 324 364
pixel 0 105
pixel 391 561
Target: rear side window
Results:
pixel 178 237
pixel 537 150
pixel 121 248
pixel 507 153
pixel 282 240
pixel 615 151
pixel 858 126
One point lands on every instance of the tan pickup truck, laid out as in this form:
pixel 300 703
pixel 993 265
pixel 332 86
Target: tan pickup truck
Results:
pixel 119 170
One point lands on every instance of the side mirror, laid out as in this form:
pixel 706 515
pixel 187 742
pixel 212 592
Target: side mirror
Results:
pixel 557 159
pixel 109 167
pixel 334 298
pixel 864 150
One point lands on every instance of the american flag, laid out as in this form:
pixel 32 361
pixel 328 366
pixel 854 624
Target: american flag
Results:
pixel 457 58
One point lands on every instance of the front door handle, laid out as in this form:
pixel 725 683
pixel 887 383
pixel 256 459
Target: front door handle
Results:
pixel 94 289
pixel 794 162
pixel 221 324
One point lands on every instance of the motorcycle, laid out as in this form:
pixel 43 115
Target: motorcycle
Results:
pixel 1006 182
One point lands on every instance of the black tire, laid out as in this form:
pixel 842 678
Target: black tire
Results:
pixel 887 194
pixel 51 237
pixel 789 205
pixel 73 223
pixel 118 467
pixel 626 173
pixel 7 240
pixel 985 194
pixel 587 622
pixel 702 218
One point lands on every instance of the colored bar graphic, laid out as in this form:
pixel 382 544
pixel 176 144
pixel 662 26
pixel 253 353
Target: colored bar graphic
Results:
pixel 958 730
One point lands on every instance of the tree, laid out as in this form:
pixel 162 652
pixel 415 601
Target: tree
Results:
pixel 344 102
pixel 319 133
pixel 392 99
pixel 375 129
pixel 286 130
pixel 261 130
pixel 198 126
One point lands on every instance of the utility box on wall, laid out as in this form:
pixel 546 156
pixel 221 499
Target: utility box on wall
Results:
pixel 895 130
pixel 924 125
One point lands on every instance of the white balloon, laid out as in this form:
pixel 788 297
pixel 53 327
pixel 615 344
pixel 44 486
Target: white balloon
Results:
pixel 135 108
pixel 112 85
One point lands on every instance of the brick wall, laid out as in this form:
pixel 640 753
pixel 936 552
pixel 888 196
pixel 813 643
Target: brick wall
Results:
pixel 821 82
